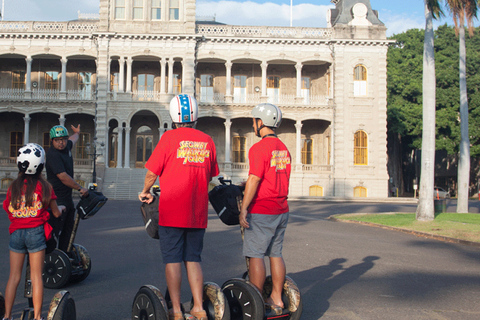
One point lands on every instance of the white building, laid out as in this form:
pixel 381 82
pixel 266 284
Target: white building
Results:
pixel 116 74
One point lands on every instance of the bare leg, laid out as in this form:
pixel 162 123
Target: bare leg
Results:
pixel 16 266
pixel 278 270
pixel 195 279
pixel 36 267
pixel 173 273
pixel 257 272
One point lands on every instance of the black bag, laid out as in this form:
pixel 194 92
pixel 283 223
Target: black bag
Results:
pixel 88 206
pixel 227 200
pixel 150 217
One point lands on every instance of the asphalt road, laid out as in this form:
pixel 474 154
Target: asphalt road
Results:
pixel 344 271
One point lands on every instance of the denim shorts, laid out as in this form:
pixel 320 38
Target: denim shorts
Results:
pixel 181 244
pixel 28 240
pixel 265 235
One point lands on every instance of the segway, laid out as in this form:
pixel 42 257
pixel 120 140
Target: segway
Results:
pixel 244 299
pixel 150 304
pixel 75 264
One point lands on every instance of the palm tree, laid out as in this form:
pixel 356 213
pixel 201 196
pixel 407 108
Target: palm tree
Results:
pixel 463 10
pixel 425 209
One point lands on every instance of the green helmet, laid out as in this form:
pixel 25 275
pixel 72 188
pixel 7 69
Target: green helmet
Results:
pixel 58 132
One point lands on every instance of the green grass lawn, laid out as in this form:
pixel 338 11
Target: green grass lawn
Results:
pixel 462 226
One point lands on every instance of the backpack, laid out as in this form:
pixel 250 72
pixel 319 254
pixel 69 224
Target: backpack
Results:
pixel 88 206
pixel 226 200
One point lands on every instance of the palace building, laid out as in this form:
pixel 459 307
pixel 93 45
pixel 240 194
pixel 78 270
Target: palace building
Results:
pixel 115 72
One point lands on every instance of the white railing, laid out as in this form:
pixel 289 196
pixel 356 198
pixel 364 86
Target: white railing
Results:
pixel 45 94
pixel 49 27
pixel 146 95
pixel 79 95
pixel 10 93
pixel 264 31
pixel 282 99
pixel 7 161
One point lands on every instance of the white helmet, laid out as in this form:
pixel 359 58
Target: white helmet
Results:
pixel 31 158
pixel 269 113
pixel 183 109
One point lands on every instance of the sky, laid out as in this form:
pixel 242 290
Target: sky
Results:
pixel 398 16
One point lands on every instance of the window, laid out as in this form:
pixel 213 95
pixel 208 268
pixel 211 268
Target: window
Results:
pixel 156 9
pixel 360 192
pixel 16 142
pixel 85 84
pixel 306 89
pixel 307 151
pixel 239 154
pixel 273 89
pixel 120 9
pixel 18 79
pixel 137 9
pixel 51 80
pixel 81 151
pixel 316 191
pixel 360 81
pixel 6 183
pixel 174 10
pixel 46 141
pixel 206 88
pixel 361 148
pixel 114 82
pixel 177 84
pixel 240 89
pixel 145 86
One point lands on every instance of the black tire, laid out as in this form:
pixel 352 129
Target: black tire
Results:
pixel 62 307
pixel 244 300
pixel 57 270
pixel 291 296
pixel 214 302
pixel 2 306
pixel 149 304
pixel 85 262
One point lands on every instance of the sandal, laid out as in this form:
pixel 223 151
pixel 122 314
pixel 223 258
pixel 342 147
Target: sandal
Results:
pixel 175 315
pixel 200 315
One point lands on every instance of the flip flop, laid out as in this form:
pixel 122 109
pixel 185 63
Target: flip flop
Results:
pixel 200 315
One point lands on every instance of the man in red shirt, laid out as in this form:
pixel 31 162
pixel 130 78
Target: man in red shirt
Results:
pixel 185 161
pixel 264 212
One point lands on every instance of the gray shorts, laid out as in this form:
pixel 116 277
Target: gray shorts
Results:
pixel 265 235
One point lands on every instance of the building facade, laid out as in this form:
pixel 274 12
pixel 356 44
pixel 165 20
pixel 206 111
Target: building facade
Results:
pixel 116 72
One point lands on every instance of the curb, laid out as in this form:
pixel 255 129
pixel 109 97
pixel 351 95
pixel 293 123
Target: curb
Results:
pixel 415 233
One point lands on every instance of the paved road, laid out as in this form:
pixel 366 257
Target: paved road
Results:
pixel 344 271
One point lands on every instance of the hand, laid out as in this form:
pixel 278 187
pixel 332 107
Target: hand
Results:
pixel 83 192
pixel 243 219
pixel 145 197
pixel 75 129
pixel 62 208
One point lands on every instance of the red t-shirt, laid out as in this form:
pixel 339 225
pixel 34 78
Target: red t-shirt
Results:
pixel 185 160
pixel 27 217
pixel 270 161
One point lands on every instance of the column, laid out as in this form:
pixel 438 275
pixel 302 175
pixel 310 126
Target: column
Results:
pixel 129 75
pixel 298 66
pixel 63 84
pixel 170 76
pixel 121 75
pixel 228 125
pixel 127 147
pixel 264 66
pixel 160 132
pixel 62 120
pixel 26 129
pixel 28 80
pixel 162 76
pixel 120 148
pixel 228 90
pixel 298 151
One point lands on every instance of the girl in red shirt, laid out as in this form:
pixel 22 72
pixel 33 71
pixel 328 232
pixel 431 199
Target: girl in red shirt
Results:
pixel 28 198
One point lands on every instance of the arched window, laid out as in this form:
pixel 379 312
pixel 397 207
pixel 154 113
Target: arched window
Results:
pixel 360 192
pixel 360 148
pixel 360 80
pixel 316 191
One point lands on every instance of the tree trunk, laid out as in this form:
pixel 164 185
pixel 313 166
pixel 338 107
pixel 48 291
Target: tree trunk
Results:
pixel 425 209
pixel 464 157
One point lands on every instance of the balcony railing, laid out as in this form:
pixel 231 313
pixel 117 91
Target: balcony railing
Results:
pixel 264 31
pixel 45 94
pixel 79 26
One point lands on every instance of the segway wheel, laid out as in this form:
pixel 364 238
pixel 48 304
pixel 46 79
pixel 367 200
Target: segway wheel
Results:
pixel 62 307
pixel 83 258
pixel 57 270
pixel 2 306
pixel 214 302
pixel 149 304
pixel 244 300
pixel 291 296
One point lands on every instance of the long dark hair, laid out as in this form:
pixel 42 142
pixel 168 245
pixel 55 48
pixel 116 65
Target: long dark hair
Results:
pixel 26 184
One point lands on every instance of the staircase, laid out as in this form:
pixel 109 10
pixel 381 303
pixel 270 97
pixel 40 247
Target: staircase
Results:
pixel 123 183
